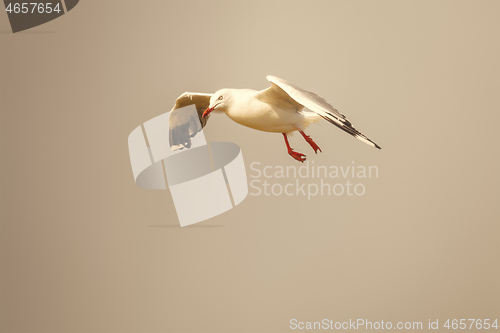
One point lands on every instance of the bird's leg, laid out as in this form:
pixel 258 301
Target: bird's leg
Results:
pixel 311 142
pixel 298 156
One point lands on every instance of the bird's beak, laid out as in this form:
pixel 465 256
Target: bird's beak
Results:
pixel 207 112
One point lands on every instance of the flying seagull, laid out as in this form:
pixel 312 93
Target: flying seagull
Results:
pixel 282 108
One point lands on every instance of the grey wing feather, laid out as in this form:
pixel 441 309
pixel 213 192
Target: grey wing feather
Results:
pixel 316 104
pixel 184 123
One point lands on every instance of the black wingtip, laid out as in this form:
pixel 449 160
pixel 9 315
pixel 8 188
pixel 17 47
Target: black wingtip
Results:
pixel 377 146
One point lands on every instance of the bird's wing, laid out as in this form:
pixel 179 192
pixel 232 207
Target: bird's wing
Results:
pixel 185 124
pixel 285 90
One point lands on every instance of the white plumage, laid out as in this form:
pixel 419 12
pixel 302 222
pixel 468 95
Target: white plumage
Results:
pixel 281 108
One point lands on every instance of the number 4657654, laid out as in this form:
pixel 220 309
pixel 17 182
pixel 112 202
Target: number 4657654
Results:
pixel 470 324
pixel 33 7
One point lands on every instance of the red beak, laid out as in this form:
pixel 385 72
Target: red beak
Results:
pixel 207 112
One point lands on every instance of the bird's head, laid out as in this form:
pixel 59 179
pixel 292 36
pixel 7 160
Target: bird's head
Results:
pixel 218 102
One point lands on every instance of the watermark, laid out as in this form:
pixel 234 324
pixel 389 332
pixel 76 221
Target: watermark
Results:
pixel 382 325
pixel 204 179
pixel 310 180
pixel 28 14
pixel 354 324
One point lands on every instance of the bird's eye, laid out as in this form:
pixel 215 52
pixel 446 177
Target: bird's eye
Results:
pixel 220 98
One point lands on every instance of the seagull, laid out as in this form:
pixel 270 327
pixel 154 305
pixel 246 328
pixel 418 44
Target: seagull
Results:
pixel 282 108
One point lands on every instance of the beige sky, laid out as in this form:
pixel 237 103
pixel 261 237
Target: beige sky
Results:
pixel 83 249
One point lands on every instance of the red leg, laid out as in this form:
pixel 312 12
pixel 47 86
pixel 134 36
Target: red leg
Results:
pixel 311 142
pixel 298 156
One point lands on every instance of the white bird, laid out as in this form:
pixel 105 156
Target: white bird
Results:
pixel 281 108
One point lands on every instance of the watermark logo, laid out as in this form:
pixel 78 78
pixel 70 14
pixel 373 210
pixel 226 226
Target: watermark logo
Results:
pixel 205 180
pixel 28 14
pixel 310 180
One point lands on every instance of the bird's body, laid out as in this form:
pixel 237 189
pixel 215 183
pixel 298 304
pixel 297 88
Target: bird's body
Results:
pixel 279 117
pixel 281 108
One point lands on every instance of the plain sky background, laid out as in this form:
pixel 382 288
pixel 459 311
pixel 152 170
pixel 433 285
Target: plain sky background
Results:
pixel 83 249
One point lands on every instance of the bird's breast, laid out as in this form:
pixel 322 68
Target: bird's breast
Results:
pixel 265 117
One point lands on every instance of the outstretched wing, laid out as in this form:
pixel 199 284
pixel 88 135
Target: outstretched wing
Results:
pixel 286 90
pixel 185 124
